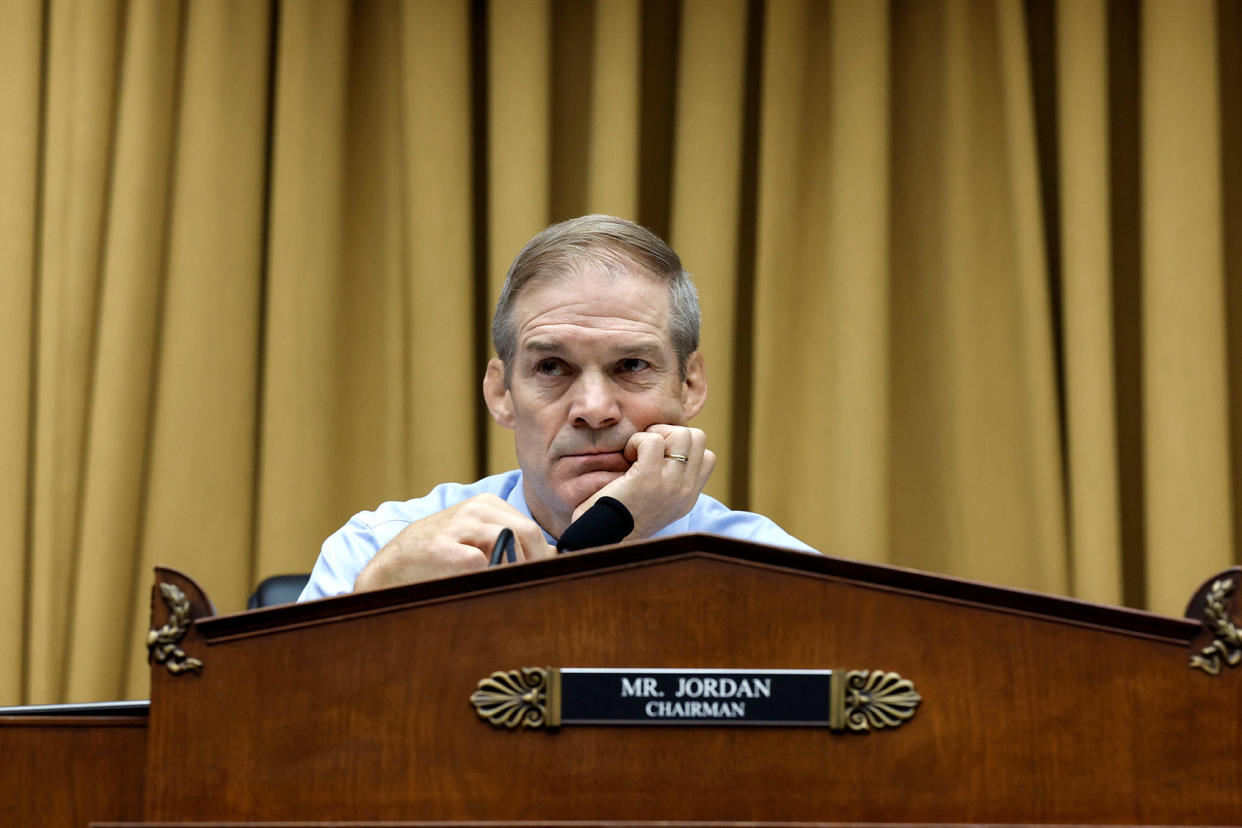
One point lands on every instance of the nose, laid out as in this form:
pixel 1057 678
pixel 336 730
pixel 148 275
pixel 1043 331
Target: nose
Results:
pixel 594 402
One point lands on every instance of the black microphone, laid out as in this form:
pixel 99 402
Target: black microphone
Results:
pixel 608 521
pixel 504 548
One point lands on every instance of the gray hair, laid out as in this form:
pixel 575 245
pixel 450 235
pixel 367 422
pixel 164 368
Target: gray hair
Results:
pixel 613 245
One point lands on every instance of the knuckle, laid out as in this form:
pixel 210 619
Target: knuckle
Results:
pixel 473 559
pixel 477 506
pixel 461 554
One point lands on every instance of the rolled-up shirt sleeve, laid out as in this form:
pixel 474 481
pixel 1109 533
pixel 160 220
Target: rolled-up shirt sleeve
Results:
pixel 347 551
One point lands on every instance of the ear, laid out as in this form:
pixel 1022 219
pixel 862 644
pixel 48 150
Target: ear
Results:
pixel 694 386
pixel 496 394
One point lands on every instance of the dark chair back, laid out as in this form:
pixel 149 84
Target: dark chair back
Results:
pixel 278 589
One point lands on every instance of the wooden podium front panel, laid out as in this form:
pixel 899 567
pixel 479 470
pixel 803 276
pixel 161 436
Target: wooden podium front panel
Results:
pixel 1025 718
pixel 64 771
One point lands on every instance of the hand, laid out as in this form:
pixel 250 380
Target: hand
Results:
pixel 656 489
pixel 456 540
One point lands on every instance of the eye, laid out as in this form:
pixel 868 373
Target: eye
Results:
pixel 550 368
pixel 632 365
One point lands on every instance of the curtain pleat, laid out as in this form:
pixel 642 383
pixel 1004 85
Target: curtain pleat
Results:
pixel 21 51
pixel 118 424
pixel 518 151
pixel 1229 46
pixel 373 291
pixel 1086 268
pixel 706 196
pixel 300 462
pixel 197 513
pixel 823 277
pixel 83 45
pixel 612 144
pixel 1188 503
pixel 969 278
pixel 444 368
pixel 974 448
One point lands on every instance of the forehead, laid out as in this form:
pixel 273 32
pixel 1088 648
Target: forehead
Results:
pixel 593 300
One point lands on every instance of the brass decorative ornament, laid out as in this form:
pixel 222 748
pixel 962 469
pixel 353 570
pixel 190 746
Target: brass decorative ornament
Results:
pixel 516 698
pixel 1227 644
pixel 875 699
pixel 162 643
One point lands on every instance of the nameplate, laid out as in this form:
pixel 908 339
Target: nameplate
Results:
pixel 551 697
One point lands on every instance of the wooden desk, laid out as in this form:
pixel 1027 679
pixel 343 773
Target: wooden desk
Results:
pixel 65 765
pixel 355 710
pixel 1036 709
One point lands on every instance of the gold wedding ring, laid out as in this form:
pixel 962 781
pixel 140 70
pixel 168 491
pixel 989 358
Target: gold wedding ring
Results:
pixel 680 458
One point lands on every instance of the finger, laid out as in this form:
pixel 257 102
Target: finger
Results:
pixel 482 536
pixel 468 558
pixel 706 467
pixel 698 451
pixel 442 560
pixel 679 446
pixel 488 515
pixel 530 541
pixel 487 508
pixel 681 440
pixel 481 526
pixel 651 449
pixel 634 446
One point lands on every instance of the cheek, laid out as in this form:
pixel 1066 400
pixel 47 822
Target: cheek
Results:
pixel 651 411
pixel 535 431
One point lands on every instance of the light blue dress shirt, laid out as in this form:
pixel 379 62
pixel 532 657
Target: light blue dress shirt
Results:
pixel 347 551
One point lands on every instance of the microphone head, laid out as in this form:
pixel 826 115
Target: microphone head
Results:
pixel 608 521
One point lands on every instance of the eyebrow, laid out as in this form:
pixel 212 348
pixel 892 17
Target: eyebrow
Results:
pixel 646 350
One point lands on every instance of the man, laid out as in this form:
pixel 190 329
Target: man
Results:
pixel 597 373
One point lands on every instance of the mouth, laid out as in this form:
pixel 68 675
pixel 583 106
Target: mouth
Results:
pixel 598 460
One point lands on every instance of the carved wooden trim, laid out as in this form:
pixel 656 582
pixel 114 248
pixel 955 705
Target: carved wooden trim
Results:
pixel 1226 645
pixel 162 643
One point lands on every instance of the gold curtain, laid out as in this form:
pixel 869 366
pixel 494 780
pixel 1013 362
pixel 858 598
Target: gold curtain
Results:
pixel 970 270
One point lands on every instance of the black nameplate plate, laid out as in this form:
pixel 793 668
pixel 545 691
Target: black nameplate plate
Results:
pixel 552 697
pixel 688 697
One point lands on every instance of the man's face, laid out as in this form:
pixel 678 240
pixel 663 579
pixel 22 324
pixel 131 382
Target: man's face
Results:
pixel 594 364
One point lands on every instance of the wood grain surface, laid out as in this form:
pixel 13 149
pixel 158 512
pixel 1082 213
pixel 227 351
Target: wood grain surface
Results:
pixel 1035 709
pixel 64 771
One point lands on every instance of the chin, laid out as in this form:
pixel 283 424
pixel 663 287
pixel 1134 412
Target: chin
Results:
pixel 585 485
